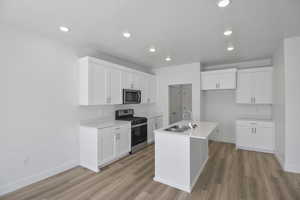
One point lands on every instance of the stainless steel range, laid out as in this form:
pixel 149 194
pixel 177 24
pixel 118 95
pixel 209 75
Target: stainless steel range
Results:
pixel 138 128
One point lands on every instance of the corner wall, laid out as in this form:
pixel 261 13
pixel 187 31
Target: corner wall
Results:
pixel 40 115
pixel 292 104
pixel 279 103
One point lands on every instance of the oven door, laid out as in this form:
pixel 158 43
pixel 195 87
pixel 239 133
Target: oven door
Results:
pixel 138 134
pixel 131 96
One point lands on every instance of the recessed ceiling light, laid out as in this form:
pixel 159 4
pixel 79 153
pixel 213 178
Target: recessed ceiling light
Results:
pixel 228 32
pixel 64 29
pixel 230 48
pixel 126 34
pixel 223 3
pixel 152 49
pixel 168 58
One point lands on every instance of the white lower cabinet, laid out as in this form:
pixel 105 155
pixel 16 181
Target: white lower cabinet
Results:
pixel 101 146
pixel 255 135
pixel 153 124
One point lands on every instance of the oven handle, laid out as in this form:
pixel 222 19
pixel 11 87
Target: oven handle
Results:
pixel 138 125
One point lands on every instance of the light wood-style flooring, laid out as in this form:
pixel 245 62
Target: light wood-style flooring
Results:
pixel 228 175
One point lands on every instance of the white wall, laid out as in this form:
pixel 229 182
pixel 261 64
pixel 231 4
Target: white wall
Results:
pixel 39 108
pixel 278 103
pixel 292 103
pixel 181 74
pixel 220 106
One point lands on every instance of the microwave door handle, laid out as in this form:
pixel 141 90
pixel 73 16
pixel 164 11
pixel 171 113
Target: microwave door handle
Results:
pixel 140 97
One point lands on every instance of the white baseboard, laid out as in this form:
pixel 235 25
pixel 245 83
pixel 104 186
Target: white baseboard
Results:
pixel 185 188
pixel 291 167
pixel 12 186
pixel 198 174
pixel 222 140
pixel 254 149
pixel 279 159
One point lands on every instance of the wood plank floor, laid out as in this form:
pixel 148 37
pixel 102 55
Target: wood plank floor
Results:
pixel 228 175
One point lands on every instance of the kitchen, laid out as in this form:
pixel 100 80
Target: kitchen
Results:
pixel 101 104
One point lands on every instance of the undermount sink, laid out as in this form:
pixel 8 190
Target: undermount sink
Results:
pixel 178 128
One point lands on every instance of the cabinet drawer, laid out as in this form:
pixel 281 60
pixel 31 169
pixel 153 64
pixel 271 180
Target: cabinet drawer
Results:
pixel 255 123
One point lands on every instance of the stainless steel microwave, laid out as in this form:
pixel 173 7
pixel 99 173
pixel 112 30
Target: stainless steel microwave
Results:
pixel 131 96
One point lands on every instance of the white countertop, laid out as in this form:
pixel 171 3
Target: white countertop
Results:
pixel 104 124
pixel 202 131
pixel 149 114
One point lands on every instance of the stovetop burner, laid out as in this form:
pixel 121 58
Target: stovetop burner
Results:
pixel 127 115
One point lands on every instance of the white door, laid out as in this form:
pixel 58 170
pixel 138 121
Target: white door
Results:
pixel 124 140
pixel 108 144
pixel 244 88
pixel 264 138
pixel 115 86
pixel 151 128
pixel 262 87
pixel 98 85
pixel 175 101
pixel 187 102
pixel 209 81
pixel 244 136
pixel 152 89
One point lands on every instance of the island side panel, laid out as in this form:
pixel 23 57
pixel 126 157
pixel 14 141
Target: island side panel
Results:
pixel 199 157
pixel 172 160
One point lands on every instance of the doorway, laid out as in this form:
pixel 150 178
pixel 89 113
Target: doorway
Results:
pixel 180 102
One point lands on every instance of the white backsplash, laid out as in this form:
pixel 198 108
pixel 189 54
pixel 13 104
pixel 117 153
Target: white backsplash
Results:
pixel 107 112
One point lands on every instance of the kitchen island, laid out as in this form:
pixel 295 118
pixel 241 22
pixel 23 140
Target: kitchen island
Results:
pixel 181 153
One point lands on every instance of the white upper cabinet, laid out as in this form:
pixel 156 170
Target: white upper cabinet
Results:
pixel 131 80
pixel 152 89
pixel 219 79
pixel 101 83
pixel 115 86
pixel 254 86
pixel 148 88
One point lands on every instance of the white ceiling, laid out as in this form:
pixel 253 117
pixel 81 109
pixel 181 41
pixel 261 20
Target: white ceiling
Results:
pixel 187 30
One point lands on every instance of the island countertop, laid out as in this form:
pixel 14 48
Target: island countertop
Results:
pixel 202 131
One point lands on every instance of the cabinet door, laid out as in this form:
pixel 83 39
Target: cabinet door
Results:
pixel 151 127
pixel 98 85
pixel 145 89
pixel 244 88
pixel 227 81
pixel 115 86
pixel 209 81
pixel 264 138
pixel 136 81
pixel 262 87
pixel 123 136
pixel 244 136
pixel 108 145
pixel 127 80
pixel 152 89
